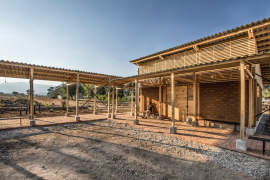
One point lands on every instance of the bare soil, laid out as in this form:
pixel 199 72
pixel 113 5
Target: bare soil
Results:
pixel 93 150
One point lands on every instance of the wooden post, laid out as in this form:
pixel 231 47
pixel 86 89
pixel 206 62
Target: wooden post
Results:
pixel 77 95
pixel 113 106
pixel 195 108
pixel 136 99
pixel 109 99
pixel 67 99
pixel 116 99
pixel 95 101
pixel 132 97
pixel 198 101
pixel 31 93
pixel 159 97
pixel 251 107
pixel 242 101
pixel 172 98
pixel 195 97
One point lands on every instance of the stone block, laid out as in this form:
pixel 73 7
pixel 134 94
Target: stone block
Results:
pixel 77 118
pixel 173 130
pixel 67 114
pixel 160 117
pixel 195 123
pixel 136 122
pixel 241 145
pixel 32 123
pixel 113 116
pixel 250 131
pixel 108 115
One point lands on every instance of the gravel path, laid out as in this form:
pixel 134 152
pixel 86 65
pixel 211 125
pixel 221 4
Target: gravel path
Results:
pixel 238 162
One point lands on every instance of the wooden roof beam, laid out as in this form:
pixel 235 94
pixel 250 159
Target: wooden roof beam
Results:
pixel 161 57
pixel 251 34
pixel 196 48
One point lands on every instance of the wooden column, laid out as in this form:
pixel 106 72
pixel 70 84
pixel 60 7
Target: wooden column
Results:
pixel 116 99
pixel 132 97
pixel 172 98
pixel 195 97
pixel 31 93
pixel 251 105
pixel 67 98
pixel 242 100
pixel 113 105
pixel 109 98
pixel 198 101
pixel 136 99
pixel 159 96
pixel 77 95
pixel 95 101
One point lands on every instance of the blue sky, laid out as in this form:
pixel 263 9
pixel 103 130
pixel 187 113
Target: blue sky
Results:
pixel 104 35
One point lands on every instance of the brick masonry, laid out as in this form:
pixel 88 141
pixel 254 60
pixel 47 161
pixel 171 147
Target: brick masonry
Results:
pixel 218 101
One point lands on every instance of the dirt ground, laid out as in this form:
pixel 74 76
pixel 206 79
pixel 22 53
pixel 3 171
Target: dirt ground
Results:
pixel 94 151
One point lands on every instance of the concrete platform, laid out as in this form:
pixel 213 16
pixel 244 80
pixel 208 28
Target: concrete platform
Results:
pixel 241 145
pixel 173 130
pixel 136 122
pixel 77 118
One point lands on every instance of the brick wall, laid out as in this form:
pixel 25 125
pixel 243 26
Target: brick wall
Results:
pixel 221 101
pixel 150 95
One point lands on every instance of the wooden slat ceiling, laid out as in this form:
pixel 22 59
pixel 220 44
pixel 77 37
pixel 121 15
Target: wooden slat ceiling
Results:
pixel 21 70
pixel 209 72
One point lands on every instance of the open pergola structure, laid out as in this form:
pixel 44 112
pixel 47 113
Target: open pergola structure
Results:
pixel 240 54
pixel 31 72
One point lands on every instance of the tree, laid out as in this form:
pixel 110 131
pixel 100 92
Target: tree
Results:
pixel 15 93
pixel 266 92
pixel 87 90
pixel 28 91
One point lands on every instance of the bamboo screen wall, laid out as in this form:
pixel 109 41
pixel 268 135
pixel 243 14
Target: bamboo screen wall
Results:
pixel 239 47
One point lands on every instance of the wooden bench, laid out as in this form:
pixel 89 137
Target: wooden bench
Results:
pixel 260 139
pixel 220 121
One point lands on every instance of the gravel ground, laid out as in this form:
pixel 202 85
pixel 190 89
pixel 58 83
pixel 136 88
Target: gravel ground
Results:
pixel 180 148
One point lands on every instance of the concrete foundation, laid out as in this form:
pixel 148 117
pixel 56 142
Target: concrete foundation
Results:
pixel 136 122
pixel 132 114
pixel 173 130
pixel 32 123
pixel 30 116
pixel 77 118
pixel 160 117
pixel 241 145
pixel 108 115
pixel 113 116
pixel 250 131
pixel 194 123
pixel 95 112
pixel 67 114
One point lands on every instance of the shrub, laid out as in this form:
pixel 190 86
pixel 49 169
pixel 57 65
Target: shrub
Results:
pixel 63 104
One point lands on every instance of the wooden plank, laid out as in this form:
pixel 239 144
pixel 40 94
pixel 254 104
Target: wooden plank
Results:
pixel 258 78
pixel 262 32
pixel 242 100
pixel 263 48
pixel 159 99
pixel 172 97
pixel 77 95
pixel 198 100
pixel 132 97
pixel 263 38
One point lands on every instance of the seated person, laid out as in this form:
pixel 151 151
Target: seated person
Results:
pixel 150 109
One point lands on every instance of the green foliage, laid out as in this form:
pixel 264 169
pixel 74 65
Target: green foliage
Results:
pixel 47 105
pixel 266 92
pixel 87 90
pixel 15 93
pixel 51 110
pixel 63 104
pixel 62 90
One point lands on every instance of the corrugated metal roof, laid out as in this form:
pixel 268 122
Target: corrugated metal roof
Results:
pixel 206 38
pixel 53 68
